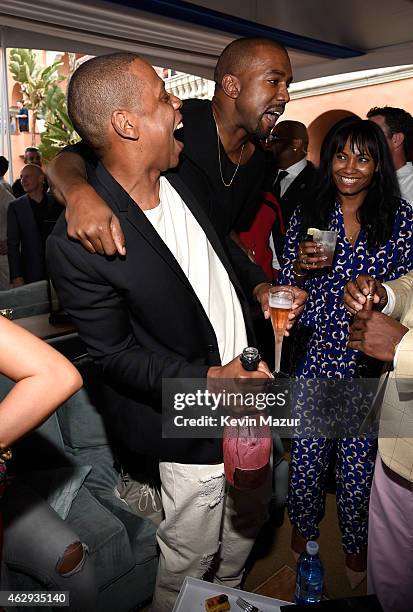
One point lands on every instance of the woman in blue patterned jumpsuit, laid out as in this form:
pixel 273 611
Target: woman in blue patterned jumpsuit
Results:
pixel 356 198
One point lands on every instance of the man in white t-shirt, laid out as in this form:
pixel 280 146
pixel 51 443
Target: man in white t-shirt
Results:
pixel 171 308
pixel 397 125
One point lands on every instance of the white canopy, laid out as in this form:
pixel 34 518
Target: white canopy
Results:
pixel 379 32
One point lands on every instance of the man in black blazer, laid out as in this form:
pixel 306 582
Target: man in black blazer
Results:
pixel 293 178
pixel 172 307
pixel 30 219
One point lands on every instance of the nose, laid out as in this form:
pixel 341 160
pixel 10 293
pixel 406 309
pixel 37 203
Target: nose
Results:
pixel 282 93
pixel 350 165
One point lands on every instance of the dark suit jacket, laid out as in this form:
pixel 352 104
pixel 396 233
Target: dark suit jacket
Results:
pixel 298 192
pixel 26 251
pixel 141 320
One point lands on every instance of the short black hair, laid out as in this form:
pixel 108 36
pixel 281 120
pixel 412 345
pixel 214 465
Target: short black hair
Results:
pixel 238 55
pixel 4 165
pixel 97 88
pixel 290 130
pixel 33 150
pixel 397 120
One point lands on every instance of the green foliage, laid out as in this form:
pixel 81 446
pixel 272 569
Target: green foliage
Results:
pixel 43 96
pixel 59 129
pixel 34 80
pixel 22 62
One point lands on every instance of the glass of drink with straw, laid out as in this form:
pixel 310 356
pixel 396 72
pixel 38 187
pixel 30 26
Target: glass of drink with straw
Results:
pixel 280 302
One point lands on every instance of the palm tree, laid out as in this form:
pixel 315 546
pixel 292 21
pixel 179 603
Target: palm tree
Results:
pixel 35 81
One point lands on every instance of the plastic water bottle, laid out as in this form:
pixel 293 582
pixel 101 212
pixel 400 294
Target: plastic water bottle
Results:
pixel 310 576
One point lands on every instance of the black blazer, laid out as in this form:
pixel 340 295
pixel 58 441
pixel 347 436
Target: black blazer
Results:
pixel 299 192
pixel 24 241
pixel 141 320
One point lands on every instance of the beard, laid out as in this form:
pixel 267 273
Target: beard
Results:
pixel 259 133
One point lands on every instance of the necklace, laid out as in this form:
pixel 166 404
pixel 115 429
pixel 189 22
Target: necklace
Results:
pixel 353 237
pixel 219 157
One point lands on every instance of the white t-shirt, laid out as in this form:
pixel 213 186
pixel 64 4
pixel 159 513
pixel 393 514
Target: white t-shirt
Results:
pixel 190 246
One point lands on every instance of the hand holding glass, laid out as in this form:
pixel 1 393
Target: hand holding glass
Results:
pixel 327 240
pixel 280 300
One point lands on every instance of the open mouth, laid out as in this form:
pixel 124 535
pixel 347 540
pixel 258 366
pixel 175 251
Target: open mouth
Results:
pixel 179 126
pixel 347 180
pixel 271 117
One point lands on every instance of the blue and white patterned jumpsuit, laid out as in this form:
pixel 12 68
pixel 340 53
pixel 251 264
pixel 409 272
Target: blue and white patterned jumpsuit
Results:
pixel 326 356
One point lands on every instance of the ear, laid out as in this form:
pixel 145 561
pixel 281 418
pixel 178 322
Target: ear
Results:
pixel 296 144
pixel 397 140
pixel 231 86
pixel 125 124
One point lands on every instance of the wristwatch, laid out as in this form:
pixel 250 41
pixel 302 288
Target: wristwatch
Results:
pixel 250 358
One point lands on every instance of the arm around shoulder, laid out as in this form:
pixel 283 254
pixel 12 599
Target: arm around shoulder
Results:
pixel 89 218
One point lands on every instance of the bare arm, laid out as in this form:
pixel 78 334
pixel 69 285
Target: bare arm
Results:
pixel 89 218
pixel 44 380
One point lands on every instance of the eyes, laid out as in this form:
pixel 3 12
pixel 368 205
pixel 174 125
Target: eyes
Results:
pixel 277 83
pixel 362 159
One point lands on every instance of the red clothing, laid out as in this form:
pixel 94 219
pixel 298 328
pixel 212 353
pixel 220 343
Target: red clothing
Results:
pixel 256 239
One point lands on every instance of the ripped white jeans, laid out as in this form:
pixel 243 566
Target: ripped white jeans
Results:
pixel 203 516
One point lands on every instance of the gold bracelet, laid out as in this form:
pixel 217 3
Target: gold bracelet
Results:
pixel 297 270
pixel 5 454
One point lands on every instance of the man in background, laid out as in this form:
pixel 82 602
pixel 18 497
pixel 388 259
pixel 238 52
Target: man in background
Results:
pixel 4 166
pixel 32 155
pixel 30 219
pixel 290 181
pixel 293 180
pixel 22 117
pixel 397 126
pixel 5 198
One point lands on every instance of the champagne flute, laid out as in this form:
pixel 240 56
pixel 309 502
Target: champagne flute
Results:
pixel 280 301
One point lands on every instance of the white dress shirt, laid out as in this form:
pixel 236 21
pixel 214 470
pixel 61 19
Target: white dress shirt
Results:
pixel 293 172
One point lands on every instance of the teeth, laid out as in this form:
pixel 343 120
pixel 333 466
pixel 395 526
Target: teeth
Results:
pixel 178 127
pixel 348 180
